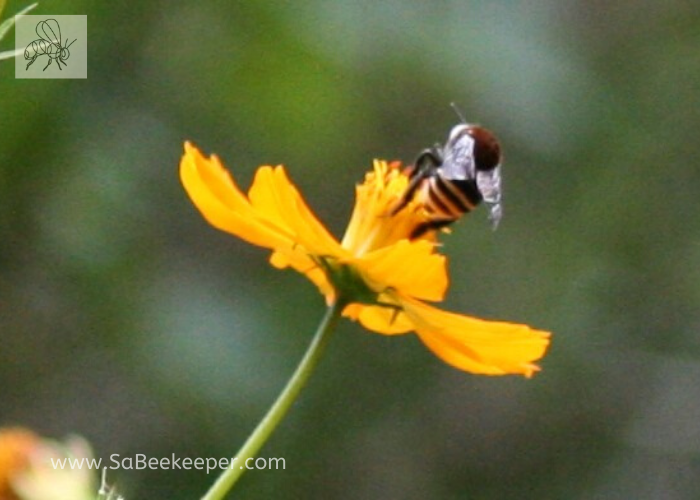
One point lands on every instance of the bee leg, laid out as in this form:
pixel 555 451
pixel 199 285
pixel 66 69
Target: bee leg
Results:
pixel 49 64
pixel 395 310
pixel 410 192
pixel 427 161
pixel 394 315
pixel 424 166
pixel 432 225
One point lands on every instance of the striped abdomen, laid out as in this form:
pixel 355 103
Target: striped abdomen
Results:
pixel 445 201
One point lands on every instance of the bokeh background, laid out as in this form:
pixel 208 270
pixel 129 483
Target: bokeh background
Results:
pixel 127 319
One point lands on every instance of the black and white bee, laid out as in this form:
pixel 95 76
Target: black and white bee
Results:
pixel 451 180
pixel 49 43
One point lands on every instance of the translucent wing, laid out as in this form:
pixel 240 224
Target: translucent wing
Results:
pixel 49 30
pixel 489 184
pixel 458 163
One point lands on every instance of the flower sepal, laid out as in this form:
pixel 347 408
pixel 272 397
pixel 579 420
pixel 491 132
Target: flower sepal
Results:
pixel 347 282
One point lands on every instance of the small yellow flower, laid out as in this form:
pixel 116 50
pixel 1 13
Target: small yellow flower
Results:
pixel 27 473
pixel 16 445
pixel 382 274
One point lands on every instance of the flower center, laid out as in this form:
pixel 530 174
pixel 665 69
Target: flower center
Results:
pixel 372 225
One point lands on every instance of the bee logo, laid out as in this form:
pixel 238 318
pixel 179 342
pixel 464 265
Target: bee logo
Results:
pixel 451 180
pixel 49 43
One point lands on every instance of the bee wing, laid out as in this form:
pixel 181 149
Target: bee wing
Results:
pixel 459 159
pixel 489 185
pixel 51 31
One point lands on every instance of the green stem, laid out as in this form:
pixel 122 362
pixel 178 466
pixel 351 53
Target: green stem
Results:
pixel 279 409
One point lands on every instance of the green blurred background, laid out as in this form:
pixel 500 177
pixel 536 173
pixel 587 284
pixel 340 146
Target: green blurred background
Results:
pixel 127 319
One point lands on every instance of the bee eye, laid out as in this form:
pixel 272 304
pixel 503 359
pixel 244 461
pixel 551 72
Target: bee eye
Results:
pixel 487 151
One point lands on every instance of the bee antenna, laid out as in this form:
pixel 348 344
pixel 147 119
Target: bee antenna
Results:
pixel 458 112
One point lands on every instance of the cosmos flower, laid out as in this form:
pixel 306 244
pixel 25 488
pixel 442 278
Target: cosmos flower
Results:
pixel 382 276
pixel 27 471
pixel 15 447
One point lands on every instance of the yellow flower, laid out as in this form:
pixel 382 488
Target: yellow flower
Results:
pixel 27 473
pixel 376 269
pixel 16 445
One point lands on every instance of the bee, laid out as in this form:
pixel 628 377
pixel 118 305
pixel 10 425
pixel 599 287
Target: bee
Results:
pixel 49 43
pixel 451 180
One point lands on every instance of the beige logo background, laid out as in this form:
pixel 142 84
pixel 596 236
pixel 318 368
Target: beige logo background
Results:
pixel 31 34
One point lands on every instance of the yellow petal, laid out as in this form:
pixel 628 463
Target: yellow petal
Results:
pixel 274 215
pixel 386 320
pixel 275 198
pixel 302 263
pixel 16 447
pixel 475 345
pixel 214 192
pixel 409 267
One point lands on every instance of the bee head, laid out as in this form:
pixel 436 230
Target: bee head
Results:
pixel 487 150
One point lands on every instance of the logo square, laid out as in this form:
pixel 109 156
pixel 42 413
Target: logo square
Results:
pixel 54 46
